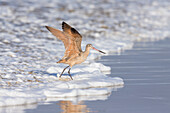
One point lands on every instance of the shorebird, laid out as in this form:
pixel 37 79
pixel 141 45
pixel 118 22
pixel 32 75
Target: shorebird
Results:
pixel 72 41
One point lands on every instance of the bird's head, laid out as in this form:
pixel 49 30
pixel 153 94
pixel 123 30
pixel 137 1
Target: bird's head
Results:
pixel 89 46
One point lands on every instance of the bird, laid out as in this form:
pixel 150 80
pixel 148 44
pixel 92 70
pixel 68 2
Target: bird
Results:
pixel 72 41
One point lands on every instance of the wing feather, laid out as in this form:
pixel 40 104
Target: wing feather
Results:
pixel 60 35
pixel 74 33
pixel 71 39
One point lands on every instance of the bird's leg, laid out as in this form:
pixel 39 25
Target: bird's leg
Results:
pixel 63 71
pixel 69 73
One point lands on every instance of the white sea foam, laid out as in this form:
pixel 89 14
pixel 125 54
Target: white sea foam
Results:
pixel 28 52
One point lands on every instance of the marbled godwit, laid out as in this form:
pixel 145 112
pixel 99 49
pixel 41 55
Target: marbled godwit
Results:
pixel 72 42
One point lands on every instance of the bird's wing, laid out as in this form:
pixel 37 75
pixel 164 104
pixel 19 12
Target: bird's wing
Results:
pixel 71 39
pixel 60 35
pixel 75 35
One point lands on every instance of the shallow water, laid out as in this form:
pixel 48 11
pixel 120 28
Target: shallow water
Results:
pixel 145 70
pixel 146 73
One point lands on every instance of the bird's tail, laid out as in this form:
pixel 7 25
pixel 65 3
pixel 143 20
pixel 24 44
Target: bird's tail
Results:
pixel 61 61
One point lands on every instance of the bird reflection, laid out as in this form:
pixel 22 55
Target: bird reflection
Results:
pixel 69 107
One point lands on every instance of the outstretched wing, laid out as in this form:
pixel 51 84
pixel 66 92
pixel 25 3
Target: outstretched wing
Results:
pixel 71 39
pixel 60 35
pixel 75 35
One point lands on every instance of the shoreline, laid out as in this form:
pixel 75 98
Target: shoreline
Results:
pixel 133 83
pixel 129 80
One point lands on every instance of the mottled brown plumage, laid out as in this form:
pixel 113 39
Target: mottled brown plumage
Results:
pixel 72 42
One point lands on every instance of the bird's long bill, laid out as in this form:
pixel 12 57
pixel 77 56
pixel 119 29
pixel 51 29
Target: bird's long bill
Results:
pixel 98 50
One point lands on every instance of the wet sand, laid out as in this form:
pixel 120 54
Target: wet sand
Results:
pixel 146 73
